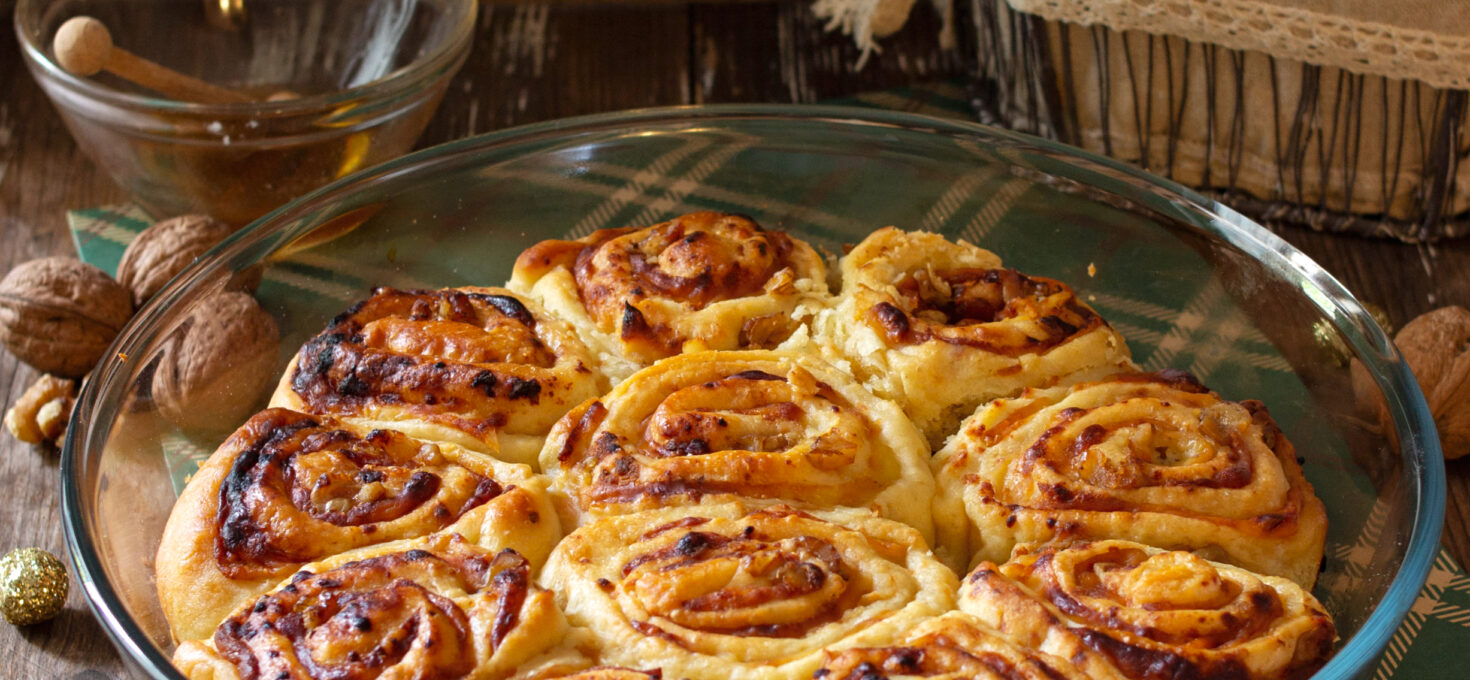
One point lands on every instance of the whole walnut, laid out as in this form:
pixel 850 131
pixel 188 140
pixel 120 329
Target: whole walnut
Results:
pixel 1436 346
pixel 59 314
pixel 217 366
pixel 163 250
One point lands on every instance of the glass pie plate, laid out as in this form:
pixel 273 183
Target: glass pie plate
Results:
pixel 1189 282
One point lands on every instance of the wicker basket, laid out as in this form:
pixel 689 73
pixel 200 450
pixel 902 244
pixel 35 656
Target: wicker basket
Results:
pixel 1279 139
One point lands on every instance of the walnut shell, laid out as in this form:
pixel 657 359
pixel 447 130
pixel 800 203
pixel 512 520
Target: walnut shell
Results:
pixel 165 249
pixel 59 314
pixel 1450 403
pixel 221 362
pixel 1436 346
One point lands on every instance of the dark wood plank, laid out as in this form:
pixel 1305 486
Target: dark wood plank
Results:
pixel 731 50
pixel 41 173
pixel 536 62
pixel 731 64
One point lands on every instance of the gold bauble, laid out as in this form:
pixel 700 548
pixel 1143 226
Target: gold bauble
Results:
pixel 1380 315
pixel 1331 343
pixel 33 586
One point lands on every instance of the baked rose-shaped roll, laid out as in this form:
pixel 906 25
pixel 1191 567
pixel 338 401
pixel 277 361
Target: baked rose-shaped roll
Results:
pixel 288 488
pixel 954 646
pixel 1120 609
pixel 1151 457
pixel 479 367
pixel 761 425
pixel 701 281
pixel 435 607
pixel 941 328
pixel 724 592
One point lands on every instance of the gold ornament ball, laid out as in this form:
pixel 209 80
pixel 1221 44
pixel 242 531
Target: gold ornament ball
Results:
pixel 33 586
pixel 1380 315
pixel 1331 343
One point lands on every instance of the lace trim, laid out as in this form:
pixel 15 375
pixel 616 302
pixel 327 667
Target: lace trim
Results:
pixel 1438 59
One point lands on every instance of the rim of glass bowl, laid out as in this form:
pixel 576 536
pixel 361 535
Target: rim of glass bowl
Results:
pixel 1370 344
pixel 29 13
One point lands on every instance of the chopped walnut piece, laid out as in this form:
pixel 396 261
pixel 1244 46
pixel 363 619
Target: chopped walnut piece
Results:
pixel 41 413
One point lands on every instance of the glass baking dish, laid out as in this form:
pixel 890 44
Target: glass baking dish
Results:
pixel 1189 282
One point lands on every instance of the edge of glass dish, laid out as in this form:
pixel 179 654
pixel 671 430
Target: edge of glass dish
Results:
pixel 1370 344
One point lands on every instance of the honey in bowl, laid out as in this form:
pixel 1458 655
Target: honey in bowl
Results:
pixel 365 94
pixel 234 172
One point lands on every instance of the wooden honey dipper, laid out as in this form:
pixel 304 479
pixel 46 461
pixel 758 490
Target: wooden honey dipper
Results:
pixel 83 46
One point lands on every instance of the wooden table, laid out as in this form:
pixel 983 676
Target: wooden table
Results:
pixel 531 63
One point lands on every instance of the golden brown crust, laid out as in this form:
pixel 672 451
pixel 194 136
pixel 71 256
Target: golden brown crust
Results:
pixel 734 508
pixel 963 307
pixel 1121 609
pixel 723 591
pixel 700 281
pixel 436 607
pixel 759 425
pixel 477 366
pixel 1152 457
pixel 941 327
pixel 954 646
pixel 288 488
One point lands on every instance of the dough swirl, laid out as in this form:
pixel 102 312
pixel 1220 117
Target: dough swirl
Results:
pixel 941 327
pixel 954 646
pixel 700 281
pixel 1151 457
pixel 1124 610
pixel 479 367
pixel 723 591
pixel 289 488
pixel 759 425
pixel 434 608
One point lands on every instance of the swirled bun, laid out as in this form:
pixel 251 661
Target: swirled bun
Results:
pixel 1123 610
pixel 435 607
pixel 763 426
pixel 287 489
pixel 478 367
pixel 941 327
pixel 954 646
pixel 702 281
pixel 726 592
pixel 1150 457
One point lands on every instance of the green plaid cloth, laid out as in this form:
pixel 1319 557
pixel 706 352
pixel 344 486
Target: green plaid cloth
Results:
pixel 1194 326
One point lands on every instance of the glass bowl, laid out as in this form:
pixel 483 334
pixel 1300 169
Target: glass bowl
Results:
pixel 359 86
pixel 1191 283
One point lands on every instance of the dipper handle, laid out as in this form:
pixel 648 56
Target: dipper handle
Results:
pixel 83 46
